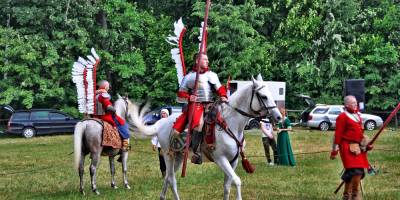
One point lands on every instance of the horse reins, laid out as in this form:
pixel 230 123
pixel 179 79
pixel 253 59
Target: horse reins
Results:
pixel 257 113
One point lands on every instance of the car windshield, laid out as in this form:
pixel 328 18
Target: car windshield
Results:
pixel 320 110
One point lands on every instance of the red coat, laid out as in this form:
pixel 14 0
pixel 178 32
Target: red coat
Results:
pixel 350 131
pixel 104 99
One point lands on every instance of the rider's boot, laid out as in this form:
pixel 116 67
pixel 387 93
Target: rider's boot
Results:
pixel 125 147
pixel 196 141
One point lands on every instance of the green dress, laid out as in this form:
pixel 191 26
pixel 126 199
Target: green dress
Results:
pixel 285 152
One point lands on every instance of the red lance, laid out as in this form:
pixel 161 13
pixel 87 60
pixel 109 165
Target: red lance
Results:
pixel 376 136
pixel 203 47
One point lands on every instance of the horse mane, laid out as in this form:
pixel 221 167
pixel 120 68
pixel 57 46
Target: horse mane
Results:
pixel 236 98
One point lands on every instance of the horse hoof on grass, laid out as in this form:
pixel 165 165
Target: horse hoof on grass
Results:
pixel 82 192
pixel 114 186
pixel 127 187
pixel 96 192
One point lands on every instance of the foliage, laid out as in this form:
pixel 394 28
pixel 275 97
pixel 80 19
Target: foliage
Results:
pixel 314 46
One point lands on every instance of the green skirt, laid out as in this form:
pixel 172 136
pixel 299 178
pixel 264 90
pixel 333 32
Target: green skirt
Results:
pixel 285 152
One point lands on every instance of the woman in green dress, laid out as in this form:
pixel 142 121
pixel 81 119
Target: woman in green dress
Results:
pixel 285 152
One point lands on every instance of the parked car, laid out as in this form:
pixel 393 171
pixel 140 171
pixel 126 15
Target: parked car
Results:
pixel 324 117
pixel 30 123
pixel 153 116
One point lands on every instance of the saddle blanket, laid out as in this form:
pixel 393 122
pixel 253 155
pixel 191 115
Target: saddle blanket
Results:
pixel 111 136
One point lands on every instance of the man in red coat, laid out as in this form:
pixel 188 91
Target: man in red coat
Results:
pixel 350 141
pixel 207 83
pixel 106 111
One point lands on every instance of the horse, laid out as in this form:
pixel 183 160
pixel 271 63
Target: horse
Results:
pixel 88 139
pixel 252 101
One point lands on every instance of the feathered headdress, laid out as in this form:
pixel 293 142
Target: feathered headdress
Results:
pixel 84 76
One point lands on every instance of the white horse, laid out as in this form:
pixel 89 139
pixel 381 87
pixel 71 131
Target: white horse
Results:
pixel 253 100
pixel 88 139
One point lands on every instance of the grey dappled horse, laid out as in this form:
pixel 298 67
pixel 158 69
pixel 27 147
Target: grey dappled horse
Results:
pixel 88 138
pixel 253 99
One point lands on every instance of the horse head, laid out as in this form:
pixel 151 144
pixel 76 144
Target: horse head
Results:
pixel 121 106
pixel 262 102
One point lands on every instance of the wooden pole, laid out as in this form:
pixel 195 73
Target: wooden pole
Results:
pixel 191 111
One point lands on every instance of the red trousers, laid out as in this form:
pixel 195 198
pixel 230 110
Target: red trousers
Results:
pixel 182 120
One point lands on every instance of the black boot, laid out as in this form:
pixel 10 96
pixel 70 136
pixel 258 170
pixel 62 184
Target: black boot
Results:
pixel 197 137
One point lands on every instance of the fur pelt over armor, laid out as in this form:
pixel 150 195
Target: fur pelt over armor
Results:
pixel 84 77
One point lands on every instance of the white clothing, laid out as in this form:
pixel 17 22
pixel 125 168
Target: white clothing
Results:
pixel 154 141
pixel 268 130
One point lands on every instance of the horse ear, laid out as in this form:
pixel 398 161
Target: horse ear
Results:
pixel 259 77
pixel 119 96
pixel 255 84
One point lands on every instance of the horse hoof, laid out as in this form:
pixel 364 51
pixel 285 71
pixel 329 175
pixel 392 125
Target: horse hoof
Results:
pixel 114 186
pixel 127 187
pixel 82 192
pixel 96 192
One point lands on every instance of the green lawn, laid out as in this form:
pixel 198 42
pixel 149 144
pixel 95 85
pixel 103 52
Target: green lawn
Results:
pixel 41 168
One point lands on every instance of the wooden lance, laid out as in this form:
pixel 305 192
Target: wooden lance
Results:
pixel 191 108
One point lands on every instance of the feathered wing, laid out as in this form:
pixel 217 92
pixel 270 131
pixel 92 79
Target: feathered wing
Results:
pixel 84 77
pixel 177 53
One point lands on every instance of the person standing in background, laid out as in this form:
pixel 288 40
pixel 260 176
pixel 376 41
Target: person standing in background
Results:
pixel 268 140
pixel 156 145
pixel 285 152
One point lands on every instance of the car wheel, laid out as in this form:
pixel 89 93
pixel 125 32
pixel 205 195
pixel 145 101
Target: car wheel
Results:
pixel 324 126
pixel 28 132
pixel 254 124
pixel 370 125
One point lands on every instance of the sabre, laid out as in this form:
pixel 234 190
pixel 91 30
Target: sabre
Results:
pixel 191 111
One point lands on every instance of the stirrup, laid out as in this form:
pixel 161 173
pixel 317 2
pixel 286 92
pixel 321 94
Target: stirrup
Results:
pixel 196 159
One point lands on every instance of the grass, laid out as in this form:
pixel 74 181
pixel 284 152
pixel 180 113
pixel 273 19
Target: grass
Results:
pixel 41 168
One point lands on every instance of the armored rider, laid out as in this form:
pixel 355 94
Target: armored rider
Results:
pixel 106 111
pixel 208 82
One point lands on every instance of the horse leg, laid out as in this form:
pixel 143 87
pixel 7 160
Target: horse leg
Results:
pixel 170 179
pixel 124 155
pixel 227 186
pixel 93 168
pixel 81 171
pixel 230 172
pixel 112 170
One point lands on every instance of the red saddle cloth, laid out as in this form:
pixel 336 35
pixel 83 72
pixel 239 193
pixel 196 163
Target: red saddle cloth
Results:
pixel 111 136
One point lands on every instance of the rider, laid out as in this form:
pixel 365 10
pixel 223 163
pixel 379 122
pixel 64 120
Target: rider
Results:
pixel 106 111
pixel 207 82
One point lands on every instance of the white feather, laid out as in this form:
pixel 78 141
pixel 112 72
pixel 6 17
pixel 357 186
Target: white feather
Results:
pixel 201 34
pixel 175 54
pixel 91 59
pixel 82 61
pixel 94 54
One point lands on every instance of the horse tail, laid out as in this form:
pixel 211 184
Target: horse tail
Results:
pixel 137 120
pixel 78 135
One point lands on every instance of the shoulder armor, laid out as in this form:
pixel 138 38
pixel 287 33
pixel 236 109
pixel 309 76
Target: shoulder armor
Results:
pixel 106 95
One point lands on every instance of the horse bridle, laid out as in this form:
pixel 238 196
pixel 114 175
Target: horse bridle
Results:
pixel 257 114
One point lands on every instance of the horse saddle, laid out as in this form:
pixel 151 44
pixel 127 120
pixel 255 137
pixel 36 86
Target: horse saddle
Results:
pixel 111 137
